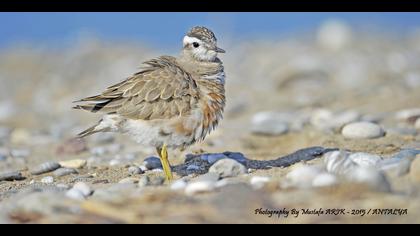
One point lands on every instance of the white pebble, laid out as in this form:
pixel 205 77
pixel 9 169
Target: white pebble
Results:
pixel 259 181
pixel 407 114
pixel 83 188
pixel 178 185
pixel 362 130
pixel 302 175
pixel 370 176
pixel 337 162
pixel 199 187
pixel 75 194
pixel 365 159
pixel 47 180
pixel 324 179
pixel 73 164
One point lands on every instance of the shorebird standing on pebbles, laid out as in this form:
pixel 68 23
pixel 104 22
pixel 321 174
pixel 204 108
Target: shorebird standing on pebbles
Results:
pixel 172 102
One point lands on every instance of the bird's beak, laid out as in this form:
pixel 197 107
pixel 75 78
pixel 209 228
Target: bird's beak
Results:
pixel 219 50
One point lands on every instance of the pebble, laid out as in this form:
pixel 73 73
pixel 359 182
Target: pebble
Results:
pixel 65 171
pixel 258 182
pixel 228 168
pixel 268 125
pixel 45 168
pixel 3 157
pixel 415 170
pixel 134 170
pixel 178 185
pixel 399 164
pixel 74 164
pixel 327 121
pixel 144 181
pixel 129 180
pixel 301 176
pixel 203 184
pixel 365 159
pixel 47 180
pixel 370 176
pixel 79 191
pixel 10 176
pixel 337 162
pixel 417 124
pixel 152 163
pixel 408 115
pixel 324 180
pixel 20 153
pixel 362 130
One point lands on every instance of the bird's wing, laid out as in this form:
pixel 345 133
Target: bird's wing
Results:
pixel 162 90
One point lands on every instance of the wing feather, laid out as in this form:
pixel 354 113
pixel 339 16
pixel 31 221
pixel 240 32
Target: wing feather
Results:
pixel 162 90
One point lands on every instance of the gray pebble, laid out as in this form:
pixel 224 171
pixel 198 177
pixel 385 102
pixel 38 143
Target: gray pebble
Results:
pixel 64 171
pixel 79 191
pixel 47 180
pixel 45 168
pixel 144 181
pixel 134 170
pixel 10 176
pixel 270 127
pixel 362 130
pixel 156 180
pixel 365 159
pixel 3 157
pixel 152 163
pixel 228 168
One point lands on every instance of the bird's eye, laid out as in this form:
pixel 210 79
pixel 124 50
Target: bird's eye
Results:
pixel 196 45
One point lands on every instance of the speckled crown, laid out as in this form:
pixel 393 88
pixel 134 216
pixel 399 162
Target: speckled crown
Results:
pixel 203 34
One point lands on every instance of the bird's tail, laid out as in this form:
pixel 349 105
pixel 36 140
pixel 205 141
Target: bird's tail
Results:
pixel 88 132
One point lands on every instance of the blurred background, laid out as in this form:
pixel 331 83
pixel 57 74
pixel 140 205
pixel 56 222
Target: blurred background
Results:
pixel 294 80
pixel 274 61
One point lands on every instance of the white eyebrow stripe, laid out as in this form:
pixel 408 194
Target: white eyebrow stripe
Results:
pixel 189 40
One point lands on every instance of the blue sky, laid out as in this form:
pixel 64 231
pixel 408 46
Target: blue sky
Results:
pixel 165 28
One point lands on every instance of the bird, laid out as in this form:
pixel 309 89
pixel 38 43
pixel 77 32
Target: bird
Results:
pixel 170 102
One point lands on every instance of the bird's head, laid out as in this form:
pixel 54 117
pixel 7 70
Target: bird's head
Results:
pixel 201 44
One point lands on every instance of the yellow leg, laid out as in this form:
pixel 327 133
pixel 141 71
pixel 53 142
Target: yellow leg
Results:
pixel 163 154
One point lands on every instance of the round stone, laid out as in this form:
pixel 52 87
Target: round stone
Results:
pixel 362 130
